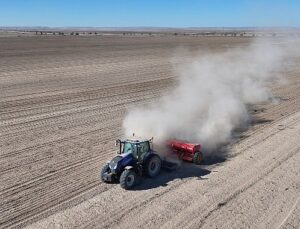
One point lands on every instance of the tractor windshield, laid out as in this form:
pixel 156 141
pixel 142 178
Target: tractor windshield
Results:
pixel 129 148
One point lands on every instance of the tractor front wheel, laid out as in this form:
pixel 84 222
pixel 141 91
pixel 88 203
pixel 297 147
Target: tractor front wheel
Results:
pixel 198 158
pixel 128 179
pixel 104 170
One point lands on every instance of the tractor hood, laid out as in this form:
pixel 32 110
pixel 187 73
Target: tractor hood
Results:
pixel 114 162
pixel 119 162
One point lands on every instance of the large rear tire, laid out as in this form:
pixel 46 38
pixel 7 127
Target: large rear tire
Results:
pixel 153 166
pixel 104 170
pixel 198 158
pixel 128 179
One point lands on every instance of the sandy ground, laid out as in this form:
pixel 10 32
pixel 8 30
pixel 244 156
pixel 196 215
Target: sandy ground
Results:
pixel 62 101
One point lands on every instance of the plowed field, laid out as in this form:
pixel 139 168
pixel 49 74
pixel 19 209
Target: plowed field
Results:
pixel 62 102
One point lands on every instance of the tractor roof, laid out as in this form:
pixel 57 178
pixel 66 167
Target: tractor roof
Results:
pixel 137 140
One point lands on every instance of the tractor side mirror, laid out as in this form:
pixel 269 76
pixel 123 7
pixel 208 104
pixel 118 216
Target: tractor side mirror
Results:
pixel 151 143
pixel 117 142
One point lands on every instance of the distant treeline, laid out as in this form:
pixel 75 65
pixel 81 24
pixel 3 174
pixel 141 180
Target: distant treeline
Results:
pixel 217 33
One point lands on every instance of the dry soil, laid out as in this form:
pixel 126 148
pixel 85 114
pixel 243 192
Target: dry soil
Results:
pixel 62 102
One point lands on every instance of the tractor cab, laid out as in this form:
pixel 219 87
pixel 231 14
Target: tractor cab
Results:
pixel 139 149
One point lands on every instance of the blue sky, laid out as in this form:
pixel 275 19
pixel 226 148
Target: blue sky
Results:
pixel 157 13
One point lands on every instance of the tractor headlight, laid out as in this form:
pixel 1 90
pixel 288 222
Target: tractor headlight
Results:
pixel 113 166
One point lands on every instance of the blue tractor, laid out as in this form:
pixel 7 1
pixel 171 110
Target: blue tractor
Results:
pixel 136 158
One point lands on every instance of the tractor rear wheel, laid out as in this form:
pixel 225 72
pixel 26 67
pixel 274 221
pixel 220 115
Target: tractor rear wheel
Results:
pixel 128 179
pixel 198 158
pixel 153 166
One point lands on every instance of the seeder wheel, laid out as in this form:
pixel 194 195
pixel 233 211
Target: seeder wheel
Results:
pixel 198 158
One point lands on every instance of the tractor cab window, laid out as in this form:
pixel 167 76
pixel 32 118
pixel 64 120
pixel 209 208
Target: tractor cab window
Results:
pixel 144 149
pixel 144 146
pixel 129 148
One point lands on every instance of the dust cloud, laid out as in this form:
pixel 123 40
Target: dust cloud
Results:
pixel 211 98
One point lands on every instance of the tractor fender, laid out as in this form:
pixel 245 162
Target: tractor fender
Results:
pixel 149 156
pixel 128 167
pixel 137 170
